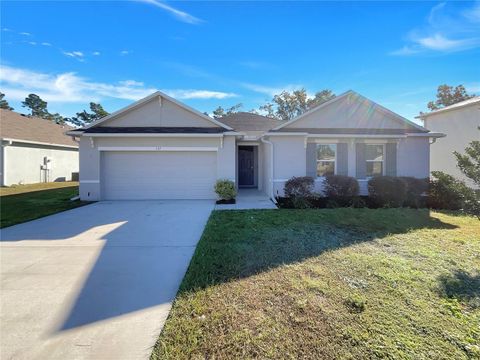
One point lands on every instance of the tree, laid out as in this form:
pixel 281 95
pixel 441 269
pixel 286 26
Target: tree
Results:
pixel 84 118
pixel 4 103
pixel 286 106
pixel 220 111
pixel 469 163
pixel 448 95
pixel 37 106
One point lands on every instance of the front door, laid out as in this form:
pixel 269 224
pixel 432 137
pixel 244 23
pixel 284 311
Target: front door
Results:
pixel 246 166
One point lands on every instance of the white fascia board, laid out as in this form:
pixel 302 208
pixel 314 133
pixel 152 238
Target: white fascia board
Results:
pixel 363 136
pixel 158 148
pixel 429 135
pixel 286 134
pixel 448 108
pixel 150 97
pixel 40 143
pixel 137 135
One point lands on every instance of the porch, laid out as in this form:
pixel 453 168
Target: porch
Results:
pixel 249 199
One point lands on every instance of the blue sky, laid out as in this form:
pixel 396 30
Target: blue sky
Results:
pixel 222 53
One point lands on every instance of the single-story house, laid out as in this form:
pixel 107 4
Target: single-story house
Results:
pixel 159 148
pixel 35 150
pixel 460 123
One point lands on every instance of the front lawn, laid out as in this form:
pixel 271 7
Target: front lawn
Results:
pixel 329 284
pixel 31 204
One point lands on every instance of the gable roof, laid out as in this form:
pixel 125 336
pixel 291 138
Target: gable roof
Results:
pixel 461 104
pixel 16 126
pixel 378 107
pixel 146 99
pixel 244 121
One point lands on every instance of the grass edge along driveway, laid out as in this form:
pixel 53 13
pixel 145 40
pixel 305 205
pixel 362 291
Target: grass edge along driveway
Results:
pixel 330 283
pixel 33 204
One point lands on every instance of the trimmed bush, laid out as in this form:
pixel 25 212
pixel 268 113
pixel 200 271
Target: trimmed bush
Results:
pixel 341 189
pixel 225 189
pixel 299 187
pixel 300 191
pixel 448 193
pixel 416 189
pixel 387 191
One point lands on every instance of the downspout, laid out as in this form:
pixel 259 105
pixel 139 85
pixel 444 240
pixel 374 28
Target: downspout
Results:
pixel 271 165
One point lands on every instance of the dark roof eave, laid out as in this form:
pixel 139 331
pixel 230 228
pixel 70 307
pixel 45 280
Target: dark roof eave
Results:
pixel 350 131
pixel 153 130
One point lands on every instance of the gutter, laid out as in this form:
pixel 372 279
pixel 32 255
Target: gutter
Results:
pixel 271 166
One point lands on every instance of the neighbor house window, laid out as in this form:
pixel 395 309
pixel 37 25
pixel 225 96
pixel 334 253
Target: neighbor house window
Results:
pixel 374 155
pixel 326 159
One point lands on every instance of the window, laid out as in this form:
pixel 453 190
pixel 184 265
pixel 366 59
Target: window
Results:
pixel 326 159
pixel 374 155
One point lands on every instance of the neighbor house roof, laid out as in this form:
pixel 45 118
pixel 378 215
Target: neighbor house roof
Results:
pixel 244 121
pixel 461 104
pixel 15 126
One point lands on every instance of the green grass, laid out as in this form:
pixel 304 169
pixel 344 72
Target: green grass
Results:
pixel 342 283
pixel 31 204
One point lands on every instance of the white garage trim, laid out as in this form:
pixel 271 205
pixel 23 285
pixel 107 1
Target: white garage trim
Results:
pixel 157 148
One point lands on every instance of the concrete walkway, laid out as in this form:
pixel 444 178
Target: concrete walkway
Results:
pixel 249 199
pixel 95 282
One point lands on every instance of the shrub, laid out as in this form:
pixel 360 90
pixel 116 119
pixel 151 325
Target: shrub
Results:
pixel 300 191
pixel 387 191
pixel 448 193
pixel 225 189
pixel 299 187
pixel 415 191
pixel 341 189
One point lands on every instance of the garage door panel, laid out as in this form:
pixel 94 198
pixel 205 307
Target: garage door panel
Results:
pixel 158 175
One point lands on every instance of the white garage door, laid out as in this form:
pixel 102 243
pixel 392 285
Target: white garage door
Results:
pixel 158 175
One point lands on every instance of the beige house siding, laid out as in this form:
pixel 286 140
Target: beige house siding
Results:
pixel 158 112
pixel 461 127
pixel 21 163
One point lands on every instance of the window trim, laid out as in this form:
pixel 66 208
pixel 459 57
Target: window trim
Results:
pixel 334 161
pixel 383 161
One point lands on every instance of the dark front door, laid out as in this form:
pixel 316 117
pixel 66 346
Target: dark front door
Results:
pixel 246 166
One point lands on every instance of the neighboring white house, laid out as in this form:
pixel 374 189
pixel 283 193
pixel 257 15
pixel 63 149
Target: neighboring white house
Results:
pixel 159 148
pixel 35 150
pixel 460 123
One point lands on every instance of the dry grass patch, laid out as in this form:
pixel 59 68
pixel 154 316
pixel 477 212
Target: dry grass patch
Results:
pixel 342 283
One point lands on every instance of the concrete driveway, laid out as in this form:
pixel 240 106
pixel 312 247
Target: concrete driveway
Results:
pixel 95 282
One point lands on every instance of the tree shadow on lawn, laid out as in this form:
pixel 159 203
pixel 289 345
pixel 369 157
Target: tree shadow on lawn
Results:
pixel 462 286
pixel 238 244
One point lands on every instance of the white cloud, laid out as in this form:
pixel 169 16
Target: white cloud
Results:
pixel 180 15
pixel 445 31
pixel 75 54
pixel 271 90
pixel 25 33
pixel 70 88
pixel 6 29
pixel 65 87
pixel 32 43
pixel 46 44
pixel 96 53
pixel 124 52
pixel 198 94
pixel 441 43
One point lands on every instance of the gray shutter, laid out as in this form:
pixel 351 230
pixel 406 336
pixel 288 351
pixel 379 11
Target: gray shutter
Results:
pixel 342 159
pixel 361 165
pixel 312 160
pixel 391 159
